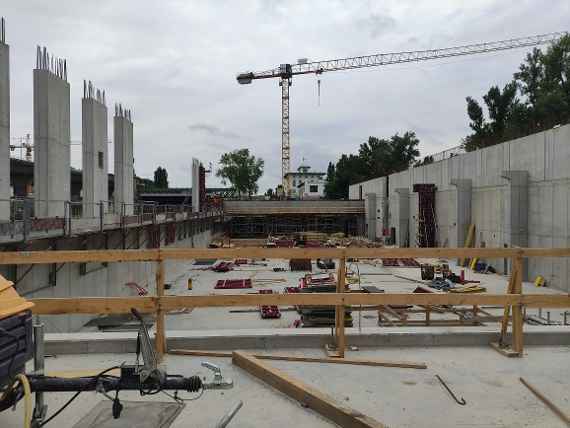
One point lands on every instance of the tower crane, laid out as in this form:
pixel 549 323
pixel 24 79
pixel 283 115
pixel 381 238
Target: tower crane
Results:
pixel 285 73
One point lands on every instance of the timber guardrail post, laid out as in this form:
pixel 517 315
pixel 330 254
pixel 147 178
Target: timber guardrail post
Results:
pixel 340 310
pixel 518 321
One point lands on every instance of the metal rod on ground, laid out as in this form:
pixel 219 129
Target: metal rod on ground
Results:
pixel 226 419
pixel 564 417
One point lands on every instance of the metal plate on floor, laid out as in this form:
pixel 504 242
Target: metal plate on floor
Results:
pixel 140 414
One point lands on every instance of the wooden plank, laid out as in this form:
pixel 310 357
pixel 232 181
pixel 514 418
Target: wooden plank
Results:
pixel 83 256
pixel 76 256
pixel 563 416
pixel 468 242
pixel 160 335
pixel 350 361
pixel 504 350
pixel 118 305
pixel 518 321
pixel 339 310
pixel 506 312
pixel 307 395
pixel 93 305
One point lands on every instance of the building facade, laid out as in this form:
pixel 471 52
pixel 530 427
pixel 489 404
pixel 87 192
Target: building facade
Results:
pixel 305 184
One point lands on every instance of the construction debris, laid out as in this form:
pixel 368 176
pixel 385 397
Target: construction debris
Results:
pixel 300 265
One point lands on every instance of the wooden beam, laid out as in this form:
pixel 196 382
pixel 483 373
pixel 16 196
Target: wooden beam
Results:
pixel 325 360
pixel 160 335
pixel 76 256
pixel 93 305
pixel 118 305
pixel 339 310
pixel 37 257
pixel 563 416
pixel 308 396
pixel 518 321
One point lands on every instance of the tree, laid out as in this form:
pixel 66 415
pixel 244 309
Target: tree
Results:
pixel 537 99
pixel 161 178
pixel 269 193
pixel 242 170
pixel 376 158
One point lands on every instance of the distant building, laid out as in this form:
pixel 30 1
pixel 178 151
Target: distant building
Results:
pixel 305 184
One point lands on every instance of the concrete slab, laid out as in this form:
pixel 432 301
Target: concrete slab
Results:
pixel 396 397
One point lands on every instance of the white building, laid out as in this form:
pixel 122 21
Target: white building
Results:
pixel 305 184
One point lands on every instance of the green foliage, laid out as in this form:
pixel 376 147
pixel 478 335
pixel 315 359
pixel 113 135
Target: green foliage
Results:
pixel 242 170
pixel 161 178
pixel 537 99
pixel 269 193
pixel 375 158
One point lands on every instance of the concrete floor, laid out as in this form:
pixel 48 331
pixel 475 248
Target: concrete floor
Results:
pixel 392 280
pixel 396 397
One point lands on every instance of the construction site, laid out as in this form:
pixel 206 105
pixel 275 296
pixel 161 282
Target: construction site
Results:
pixel 442 288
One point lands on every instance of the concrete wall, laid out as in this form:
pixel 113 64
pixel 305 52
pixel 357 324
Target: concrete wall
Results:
pixel 95 153
pixel 518 191
pixel 4 131
pixel 51 141
pixel 124 160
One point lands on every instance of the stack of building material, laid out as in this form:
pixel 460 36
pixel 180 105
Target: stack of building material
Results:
pixel 227 284
pixel 321 316
pixel 300 265
pixel 269 311
pixel 222 266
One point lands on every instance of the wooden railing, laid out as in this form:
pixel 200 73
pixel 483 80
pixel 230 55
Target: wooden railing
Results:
pixel 513 300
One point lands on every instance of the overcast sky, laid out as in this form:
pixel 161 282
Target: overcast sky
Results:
pixel 174 64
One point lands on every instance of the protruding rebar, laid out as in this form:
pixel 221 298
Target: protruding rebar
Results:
pixel 2 30
pixel 47 62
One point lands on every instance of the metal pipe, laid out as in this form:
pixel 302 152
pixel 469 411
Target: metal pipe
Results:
pixel 40 408
pixel 226 419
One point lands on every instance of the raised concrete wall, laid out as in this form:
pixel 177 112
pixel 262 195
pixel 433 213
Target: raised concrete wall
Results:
pixel 51 137
pixel 533 210
pixel 124 161
pixel 4 130
pixel 95 153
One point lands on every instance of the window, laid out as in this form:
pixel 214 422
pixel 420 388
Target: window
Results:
pixel 101 160
pixel 313 188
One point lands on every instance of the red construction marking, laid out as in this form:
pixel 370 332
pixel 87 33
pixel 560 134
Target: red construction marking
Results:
pixel 386 262
pixel 238 262
pixel 312 244
pixel 226 284
pixel 292 289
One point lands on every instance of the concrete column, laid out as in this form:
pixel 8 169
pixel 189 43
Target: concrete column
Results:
pixel 516 212
pixel 4 126
pixel 195 185
pixel 403 224
pixel 124 161
pixel 51 136
pixel 462 212
pixel 370 208
pixel 94 148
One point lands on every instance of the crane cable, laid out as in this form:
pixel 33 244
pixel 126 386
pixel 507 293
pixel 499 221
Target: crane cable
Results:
pixel 27 399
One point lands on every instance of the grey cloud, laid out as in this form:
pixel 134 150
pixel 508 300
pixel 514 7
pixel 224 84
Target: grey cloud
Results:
pixel 213 131
pixel 377 24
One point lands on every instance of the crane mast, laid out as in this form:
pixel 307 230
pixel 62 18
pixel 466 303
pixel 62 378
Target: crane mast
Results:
pixel 285 73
